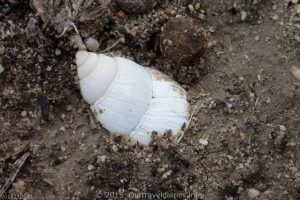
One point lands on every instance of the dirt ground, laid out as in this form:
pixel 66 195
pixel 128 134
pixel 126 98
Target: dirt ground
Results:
pixel 248 109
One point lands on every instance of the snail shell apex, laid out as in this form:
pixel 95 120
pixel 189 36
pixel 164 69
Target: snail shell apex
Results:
pixel 129 99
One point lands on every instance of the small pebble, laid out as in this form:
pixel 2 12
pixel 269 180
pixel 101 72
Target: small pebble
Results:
pixel 166 174
pixel 191 8
pixel 92 44
pixel 211 29
pixel 294 1
pixel 291 144
pixel 297 38
pixel 259 77
pixel 23 114
pixel 114 148
pixel 282 128
pixel 203 142
pixel 243 15
pixel 101 159
pixel 90 167
pixel 253 193
pixel 57 52
pixel 121 14
pixel 275 17
pixel 49 68
pixel 62 129
pixel 63 149
pixel 295 72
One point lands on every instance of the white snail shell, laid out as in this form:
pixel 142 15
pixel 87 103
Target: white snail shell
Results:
pixel 130 99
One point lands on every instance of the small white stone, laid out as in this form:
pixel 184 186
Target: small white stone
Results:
pixel 259 77
pixel 229 105
pixel 191 8
pixel 114 148
pixel 63 149
pixel 294 1
pixel 242 135
pixel 92 44
pixel 253 193
pixel 90 167
pixel 243 15
pixel 23 114
pixel 275 17
pixel 282 128
pixel 211 29
pixel 62 129
pixel 297 38
pixel 49 68
pixel 166 174
pixel 101 159
pixel 57 52
pixel 295 71
pixel 203 142
pixel 291 144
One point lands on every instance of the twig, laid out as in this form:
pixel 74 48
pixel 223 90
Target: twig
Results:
pixel 64 31
pixel 17 165
pixel 21 150
pixel 113 45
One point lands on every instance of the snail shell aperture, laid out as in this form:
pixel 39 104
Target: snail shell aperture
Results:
pixel 129 99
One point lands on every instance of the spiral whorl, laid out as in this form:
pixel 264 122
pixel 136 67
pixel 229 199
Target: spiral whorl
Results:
pixel 81 57
pixel 96 73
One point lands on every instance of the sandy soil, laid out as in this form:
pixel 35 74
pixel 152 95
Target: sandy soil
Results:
pixel 248 109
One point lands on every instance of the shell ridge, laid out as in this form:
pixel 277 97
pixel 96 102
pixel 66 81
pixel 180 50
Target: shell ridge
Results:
pixel 108 91
pixel 84 59
pixel 147 112
pixel 98 57
pixel 87 58
pixel 135 133
pixel 126 75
